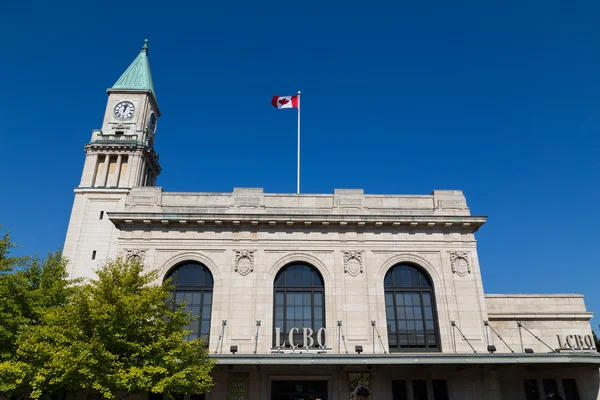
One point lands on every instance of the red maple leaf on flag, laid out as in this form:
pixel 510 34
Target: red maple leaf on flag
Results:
pixel 283 101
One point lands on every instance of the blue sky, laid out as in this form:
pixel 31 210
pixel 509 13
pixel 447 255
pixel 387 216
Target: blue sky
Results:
pixel 499 99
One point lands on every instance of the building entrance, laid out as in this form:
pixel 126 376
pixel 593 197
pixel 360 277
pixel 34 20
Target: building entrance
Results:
pixel 299 390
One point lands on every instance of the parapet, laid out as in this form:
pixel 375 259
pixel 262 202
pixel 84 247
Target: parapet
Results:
pixel 341 202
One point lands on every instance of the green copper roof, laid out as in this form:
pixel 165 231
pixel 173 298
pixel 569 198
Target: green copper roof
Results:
pixel 137 76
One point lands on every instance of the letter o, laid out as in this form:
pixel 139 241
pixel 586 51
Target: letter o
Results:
pixel 322 337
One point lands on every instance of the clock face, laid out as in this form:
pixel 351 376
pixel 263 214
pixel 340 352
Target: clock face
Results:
pixel 124 109
pixel 152 124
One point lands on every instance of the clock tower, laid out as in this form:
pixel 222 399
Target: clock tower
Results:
pixel 119 157
pixel 121 154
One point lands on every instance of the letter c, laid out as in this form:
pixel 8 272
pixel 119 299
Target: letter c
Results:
pixel 291 336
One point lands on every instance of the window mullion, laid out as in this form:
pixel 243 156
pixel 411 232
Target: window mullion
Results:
pixel 397 321
pixel 395 305
pixel 423 319
pixel 312 308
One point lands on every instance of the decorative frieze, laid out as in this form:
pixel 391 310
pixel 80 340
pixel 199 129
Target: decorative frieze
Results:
pixel 244 262
pixel 139 254
pixel 353 262
pixel 460 263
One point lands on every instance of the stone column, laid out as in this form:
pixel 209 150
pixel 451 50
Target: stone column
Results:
pixel 127 178
pixel 118 171
pixel 135 166
pixel 89 171
pixel 147 179
pixel 140 174
pixel 105 173
pixel 145 174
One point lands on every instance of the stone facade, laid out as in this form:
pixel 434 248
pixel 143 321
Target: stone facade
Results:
pixel 244 238
pixel 321 230
pixel 552 318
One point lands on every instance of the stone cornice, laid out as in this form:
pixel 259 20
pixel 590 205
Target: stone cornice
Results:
pixel 540 316
pixel 127 147
pixel 467 224
pixel 535 295
pixel 109 190
pixel 103 146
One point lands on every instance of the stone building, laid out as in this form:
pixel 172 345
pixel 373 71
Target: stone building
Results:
pixel 315 296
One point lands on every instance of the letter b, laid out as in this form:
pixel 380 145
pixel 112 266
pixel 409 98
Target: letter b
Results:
pixel 306 336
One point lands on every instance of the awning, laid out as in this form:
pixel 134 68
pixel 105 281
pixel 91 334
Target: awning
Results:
pixel 590 359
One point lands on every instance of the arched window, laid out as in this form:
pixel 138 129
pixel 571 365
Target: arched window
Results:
pixel 410 309
pixel 193 285
pixel 299 302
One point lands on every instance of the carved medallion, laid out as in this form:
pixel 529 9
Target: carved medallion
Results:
pixel 244 261
pixel 460 262
pixel 353 262
pixel 139 254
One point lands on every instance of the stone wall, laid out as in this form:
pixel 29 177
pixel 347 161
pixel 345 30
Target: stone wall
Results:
pixel 90 230
pixel 553 318
pixel 353 239
pixel 341 202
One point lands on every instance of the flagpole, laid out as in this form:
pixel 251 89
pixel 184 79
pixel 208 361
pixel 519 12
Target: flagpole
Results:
pixel 298 182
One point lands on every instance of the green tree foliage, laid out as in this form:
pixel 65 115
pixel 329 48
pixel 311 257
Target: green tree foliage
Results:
pixel 7 263
pixel 29 287
pixel 11 313
pixel 596 341
pixel 117 334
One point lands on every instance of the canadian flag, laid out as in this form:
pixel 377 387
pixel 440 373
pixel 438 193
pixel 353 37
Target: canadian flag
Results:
pixel 285 101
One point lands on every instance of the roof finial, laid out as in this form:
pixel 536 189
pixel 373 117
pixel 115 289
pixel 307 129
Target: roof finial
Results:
pixel 145 48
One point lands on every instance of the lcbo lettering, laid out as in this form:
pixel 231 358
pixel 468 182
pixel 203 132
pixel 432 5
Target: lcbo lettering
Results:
pixel 576 342
pixel 307 339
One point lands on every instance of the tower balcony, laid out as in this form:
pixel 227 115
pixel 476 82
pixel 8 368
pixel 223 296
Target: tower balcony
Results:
pixel 100 137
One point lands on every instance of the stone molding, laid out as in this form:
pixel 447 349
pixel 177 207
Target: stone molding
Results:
pixel 191 256
pixel 299 257
pixel 244 262
pixel 135 253
pixel 353 262
pixel 466 224
pixel 398 258
pixel 459 261
pixel 541 316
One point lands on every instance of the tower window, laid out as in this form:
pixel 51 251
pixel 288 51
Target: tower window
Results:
pixel 118 133
pixel 101 214
pixel 94 255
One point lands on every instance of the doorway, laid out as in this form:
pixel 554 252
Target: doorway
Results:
pixel 299 390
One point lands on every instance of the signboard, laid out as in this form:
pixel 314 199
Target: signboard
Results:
pixel 307 337
pixel 238 386
pixel 360 386
pixel 576 342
